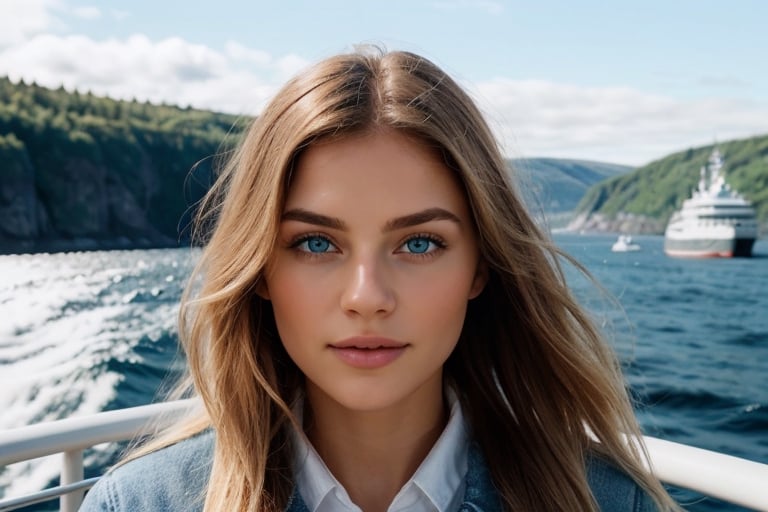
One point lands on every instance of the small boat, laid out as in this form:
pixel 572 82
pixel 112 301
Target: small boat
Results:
pixel 624 244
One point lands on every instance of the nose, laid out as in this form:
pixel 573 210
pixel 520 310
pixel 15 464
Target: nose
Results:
pixel 368 291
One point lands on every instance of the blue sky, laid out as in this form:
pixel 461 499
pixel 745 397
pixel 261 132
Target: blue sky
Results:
pixel 624 82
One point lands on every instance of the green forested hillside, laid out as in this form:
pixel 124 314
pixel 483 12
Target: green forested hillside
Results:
pixel 80 171
pixel 657 189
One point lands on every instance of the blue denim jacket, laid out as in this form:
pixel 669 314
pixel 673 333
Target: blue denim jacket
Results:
pixel 174 479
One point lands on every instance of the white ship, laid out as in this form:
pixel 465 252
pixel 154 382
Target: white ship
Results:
pixel 716 221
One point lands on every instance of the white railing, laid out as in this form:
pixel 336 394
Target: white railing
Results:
pixel 721 476
pixel 732 479
pixel 70 437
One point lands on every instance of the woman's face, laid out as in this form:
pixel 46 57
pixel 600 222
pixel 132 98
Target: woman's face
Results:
pixel 375 262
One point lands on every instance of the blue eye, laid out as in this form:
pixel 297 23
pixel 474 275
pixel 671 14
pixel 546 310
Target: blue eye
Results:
pixel 314 244
pixel 421 245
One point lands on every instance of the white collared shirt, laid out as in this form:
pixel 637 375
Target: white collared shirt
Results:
pixel 437 485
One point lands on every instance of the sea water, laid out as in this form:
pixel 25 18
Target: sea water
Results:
pixel 92 331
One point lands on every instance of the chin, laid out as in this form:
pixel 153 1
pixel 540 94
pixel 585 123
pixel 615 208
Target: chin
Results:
pixel 377 395
pixel 366 402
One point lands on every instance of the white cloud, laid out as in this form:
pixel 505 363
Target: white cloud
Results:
pixel 286 66
pixel 289 65
pixel 171 70
pixel 22 19
pixel 615 124
pixel 237 51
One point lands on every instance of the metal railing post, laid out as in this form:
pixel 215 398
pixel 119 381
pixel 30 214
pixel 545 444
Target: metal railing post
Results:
pixel 71 472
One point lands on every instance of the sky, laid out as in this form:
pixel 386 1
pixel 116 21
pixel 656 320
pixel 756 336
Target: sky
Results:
pixel 614 81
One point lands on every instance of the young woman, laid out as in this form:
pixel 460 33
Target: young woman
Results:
pixel 376 323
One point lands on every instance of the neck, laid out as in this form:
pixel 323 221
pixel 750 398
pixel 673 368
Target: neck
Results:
pixel 374 453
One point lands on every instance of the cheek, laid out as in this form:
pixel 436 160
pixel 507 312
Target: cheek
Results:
pixel 294 288
pixel 292 304
pixel 304 302
pixel 440 300
pixel 295 326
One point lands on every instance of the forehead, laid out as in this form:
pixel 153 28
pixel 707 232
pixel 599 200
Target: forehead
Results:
pixel 374 169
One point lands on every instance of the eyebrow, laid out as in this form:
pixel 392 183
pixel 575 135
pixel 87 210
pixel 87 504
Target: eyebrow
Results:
pixel 422 217
pixel 413 219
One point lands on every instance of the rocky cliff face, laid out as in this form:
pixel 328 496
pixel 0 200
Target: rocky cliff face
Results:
pixel 81 172
pixel 22 213
pixel 81 204
pixel 621 223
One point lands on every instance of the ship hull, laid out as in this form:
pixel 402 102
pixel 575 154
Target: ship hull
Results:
pixel 709 248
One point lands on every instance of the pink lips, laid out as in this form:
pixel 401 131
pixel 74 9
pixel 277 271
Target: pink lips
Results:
pixel 367 352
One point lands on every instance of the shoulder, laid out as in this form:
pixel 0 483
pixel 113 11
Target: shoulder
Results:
pixel 614 490
pixel 172 478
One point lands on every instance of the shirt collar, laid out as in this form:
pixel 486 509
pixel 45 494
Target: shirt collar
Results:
pixel 313 478
pixel 441 474
pixel 439 479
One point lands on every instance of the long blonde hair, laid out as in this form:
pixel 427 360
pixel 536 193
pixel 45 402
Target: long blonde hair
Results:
pixel 540 389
